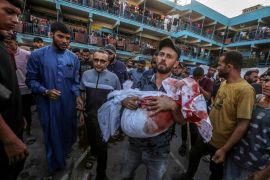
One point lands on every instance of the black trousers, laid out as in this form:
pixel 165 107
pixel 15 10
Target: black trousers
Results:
pixel 193 133
pixel 9 172
pixel 197 151
pixel 98 146
pixel 27 101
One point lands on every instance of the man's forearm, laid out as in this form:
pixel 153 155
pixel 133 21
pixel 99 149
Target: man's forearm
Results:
pixel 6 134
pixel 177 114
pixel 83 96
pixel 237 134
pixel 206 94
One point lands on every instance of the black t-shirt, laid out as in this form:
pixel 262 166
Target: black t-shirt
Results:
pixel 257 87
pixel 10 109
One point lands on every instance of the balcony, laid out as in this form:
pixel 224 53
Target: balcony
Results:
pixel 122 43
pixel 199 31
pixel 146 20
pixel 249 37
pixel 129 12
pixel 199 57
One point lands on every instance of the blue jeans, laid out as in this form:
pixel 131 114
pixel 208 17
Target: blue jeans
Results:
pixel 156 164
pixel 234 172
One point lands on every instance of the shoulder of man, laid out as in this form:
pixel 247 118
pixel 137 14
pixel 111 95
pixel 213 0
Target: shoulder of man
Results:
pixel 71 54
pixel 132 71
pixel 111 74
pixel 245 87
pixel 145 80
pixel 89 72
pixel 120 64
pixel 39 52
pixel 114 78
pixel 25 51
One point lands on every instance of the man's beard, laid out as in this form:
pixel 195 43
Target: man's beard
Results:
pixel 250 81
pixel 55 44
pixel 165 70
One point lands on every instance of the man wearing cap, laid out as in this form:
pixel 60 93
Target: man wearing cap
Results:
pixel 136 74
pixel 153 151
pixel 116 66
pixel 251 76
pixel 37 43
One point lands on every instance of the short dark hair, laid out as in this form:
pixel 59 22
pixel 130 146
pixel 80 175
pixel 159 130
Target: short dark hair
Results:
pixel 248 73
pixel 37 39
pixel 213 66
pixel 75 50
pixel 85 50
pixel 198 71
pixel 268 73
pixel 16 3
pixel 58 26
pixel 234 58
pixel 141 62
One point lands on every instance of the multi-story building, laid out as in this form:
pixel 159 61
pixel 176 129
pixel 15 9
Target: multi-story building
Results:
pixel 135 27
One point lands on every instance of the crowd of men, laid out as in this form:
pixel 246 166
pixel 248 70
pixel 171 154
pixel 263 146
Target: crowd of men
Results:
pixel 65 83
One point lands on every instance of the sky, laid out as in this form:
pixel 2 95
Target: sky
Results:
pixel 232 8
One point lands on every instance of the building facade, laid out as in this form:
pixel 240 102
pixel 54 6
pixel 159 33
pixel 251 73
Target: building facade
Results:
pixel 135 27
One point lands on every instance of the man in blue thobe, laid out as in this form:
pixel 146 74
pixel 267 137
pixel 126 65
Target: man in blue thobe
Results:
pixel 53 74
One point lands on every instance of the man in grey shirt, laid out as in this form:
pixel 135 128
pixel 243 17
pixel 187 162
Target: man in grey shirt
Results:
pixel 96 84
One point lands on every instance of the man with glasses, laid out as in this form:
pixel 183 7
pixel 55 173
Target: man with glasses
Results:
pixel 96 84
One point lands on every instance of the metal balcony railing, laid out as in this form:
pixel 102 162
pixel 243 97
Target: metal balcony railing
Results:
pixel 147 20
pixel 130 44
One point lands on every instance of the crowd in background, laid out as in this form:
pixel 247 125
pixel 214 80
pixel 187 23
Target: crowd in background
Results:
pixel 66 84
pixel 261 33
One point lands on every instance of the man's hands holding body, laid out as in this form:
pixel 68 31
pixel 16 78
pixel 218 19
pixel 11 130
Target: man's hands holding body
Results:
pixel 156 104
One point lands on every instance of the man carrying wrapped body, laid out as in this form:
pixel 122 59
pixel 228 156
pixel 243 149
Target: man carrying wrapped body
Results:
pixel 150 112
